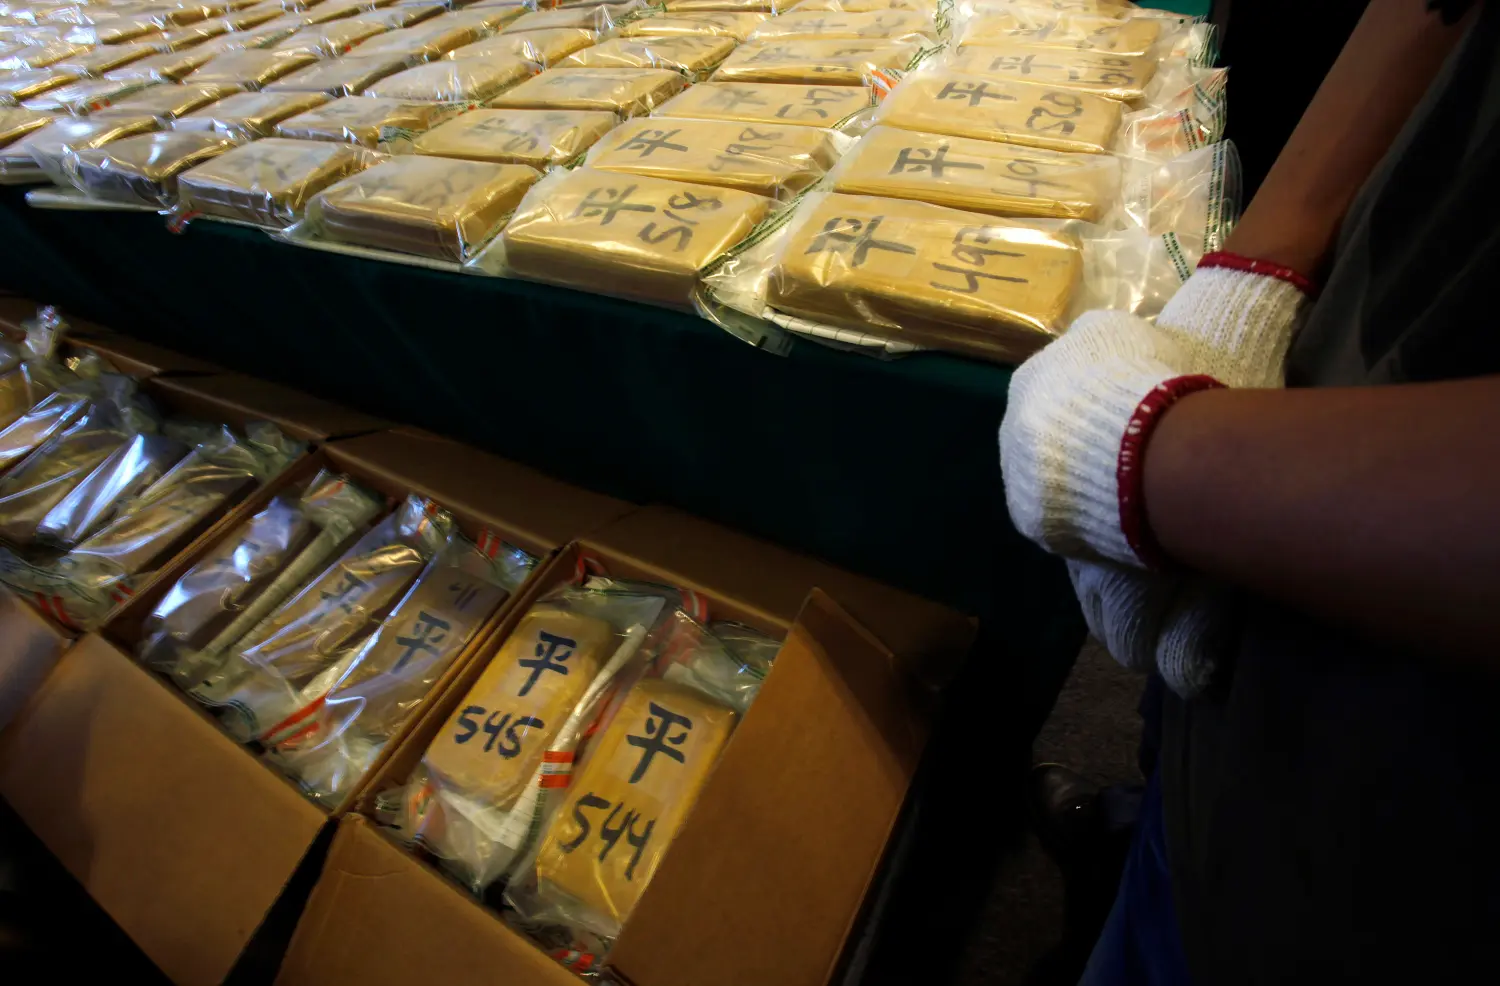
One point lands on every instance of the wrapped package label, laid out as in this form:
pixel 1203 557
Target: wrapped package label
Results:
pixel 80 98
pixel 347 76
pixel 721 25
pixel 251 114
pixel 638 783
pixel 539 138
pixel 144 169
pixel 775 160
pixel 542 47
pixel 424 43
pixel 33 488
pixel 269 182
pixel 1046 29
pixel 267 671
pixel 458 80
pixel 979 175
pixel 827 63
pixel 172 66
pixel 493 744
pixel 1101 73
pixel 368 121
pixel 984 108
pixel 167 103
pixel 251 572
pixel 17 123
pixel 627 235
pixel 428 206
pixel 904 24
pixel 126 472
pixel 253 69
pixel 625 91
pixel 331 40
pixel 49 147
pixel 927 275
pixel 692 56
pixel 107 59
pixel 755 102
pixel 21 86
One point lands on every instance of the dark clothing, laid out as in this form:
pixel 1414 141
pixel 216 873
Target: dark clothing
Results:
pixel 1327 811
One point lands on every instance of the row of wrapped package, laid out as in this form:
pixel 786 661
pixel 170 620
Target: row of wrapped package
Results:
pixel 717 155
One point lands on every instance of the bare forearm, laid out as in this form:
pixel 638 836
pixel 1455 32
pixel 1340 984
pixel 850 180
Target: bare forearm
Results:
pixel 1382 72
pixel 1374 508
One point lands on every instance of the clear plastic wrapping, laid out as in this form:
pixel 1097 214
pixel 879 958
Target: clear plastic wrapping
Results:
pixel 429 206
pixel 248 115
pixel 269 182
pixel 694 57
pixel 458 80
pixel 18 87
pixel 48 415
pixel 172 66
pixel 761 102
pixel 424 42
pixel 124 474
pixel 251 572
pixel 861 6
pixel 141 170
pixel 980 175
pixel 600 19
pixel 814 63
pixel 48 147
pixel 17 123
pixel 167 103
pixel 539 138
pixel 542 47
pixel 624 91
pixel 380 124
pixel 347 76
pixel 720 25
pixel 489 778
pixel 261 681
pixel 81 98
pixel 1177 120
pixel 634 237
pixel 1040 28
pixel 331 40
pixel 379 685
pixel 401 15
pixel 909 25
pixel 490 18
pixel 1123 77
pixel 107 59
pixel 186 37
pixel 252 69
pixel 938 100
pixel 1191 201
pixel 775 160
pixel 33 57
pixel 723 6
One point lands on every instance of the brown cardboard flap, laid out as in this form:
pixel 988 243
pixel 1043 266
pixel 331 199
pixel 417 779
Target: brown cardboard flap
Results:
pixel 929 639
pixel 138 359
pixel 298 414
pixel 768 873
pixel 29 646
pixel 178 833
pixel 542 512
pixel 379 917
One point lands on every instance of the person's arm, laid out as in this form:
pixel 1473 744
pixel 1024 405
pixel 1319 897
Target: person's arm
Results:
pixel 1381 74
pixel 1371 507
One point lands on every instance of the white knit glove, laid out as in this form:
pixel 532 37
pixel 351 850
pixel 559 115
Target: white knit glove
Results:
pixel 1231 323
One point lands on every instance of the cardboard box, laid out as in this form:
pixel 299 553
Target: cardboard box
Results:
pixel 131 357
pixel 770 871
pixel 30 643
pixel 180 833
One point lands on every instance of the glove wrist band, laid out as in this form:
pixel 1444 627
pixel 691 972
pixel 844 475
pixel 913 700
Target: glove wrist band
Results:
pixel 1265 268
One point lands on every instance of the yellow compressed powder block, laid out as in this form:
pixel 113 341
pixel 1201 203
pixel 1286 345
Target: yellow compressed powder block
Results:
pixel 960 105
pixel 927 275
pixel 1047 29
pixel 542 47
pixel 690 55
pixel 829 63
pixel 268 182
pixel 979 175
pixel 626 91
pixel 539 138
pixel 626 804
pixel 628 235
pixel 721 25
pixel 494 741
pixel 1098 72
pixel 767 159
pixel 818 106
pixel 864 26
pixel 455 81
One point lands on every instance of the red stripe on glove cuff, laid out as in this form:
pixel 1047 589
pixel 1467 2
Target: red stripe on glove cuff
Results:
pixel 1130 473
pixel 1265 268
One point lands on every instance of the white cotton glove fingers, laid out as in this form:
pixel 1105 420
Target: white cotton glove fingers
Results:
pixel 1068 412
pixel 1197 635
pixel 1235 325
pixel 1125 609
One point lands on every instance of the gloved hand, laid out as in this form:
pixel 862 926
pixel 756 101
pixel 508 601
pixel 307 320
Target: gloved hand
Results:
pixel 1075 432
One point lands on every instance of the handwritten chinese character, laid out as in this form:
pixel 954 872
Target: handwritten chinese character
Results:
pixel 551 651
pixel 649 141
pixel 426 634
pixel 975 92
pixel 915 160
pixel 609 202
pixel 855 237
pixel 659 738
pixel 346 594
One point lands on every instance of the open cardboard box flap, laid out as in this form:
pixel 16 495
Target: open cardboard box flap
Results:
pixel 139 359
pixel 177 832
pixel 234 396
pixel 31 645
